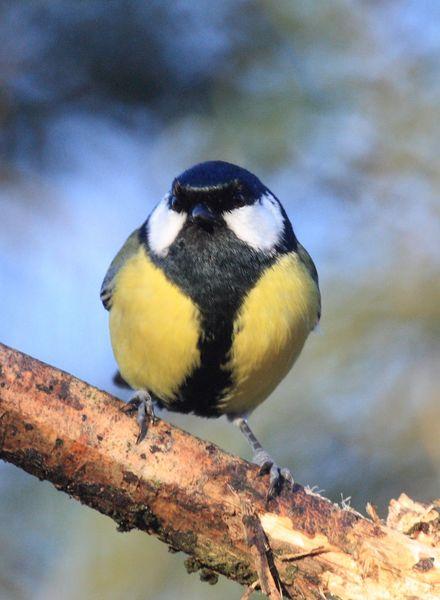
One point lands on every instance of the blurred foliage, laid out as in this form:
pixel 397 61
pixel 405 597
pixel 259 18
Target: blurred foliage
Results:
pixel 336 106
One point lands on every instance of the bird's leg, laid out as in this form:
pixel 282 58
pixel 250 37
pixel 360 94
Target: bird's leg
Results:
pixel 142 404
pixel 263 459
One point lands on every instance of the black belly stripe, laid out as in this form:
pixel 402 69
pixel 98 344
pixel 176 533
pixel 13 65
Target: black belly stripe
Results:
pixel 216 270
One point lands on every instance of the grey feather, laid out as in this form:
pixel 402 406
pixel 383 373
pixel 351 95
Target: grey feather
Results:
pixel 306 259
pixel 128 250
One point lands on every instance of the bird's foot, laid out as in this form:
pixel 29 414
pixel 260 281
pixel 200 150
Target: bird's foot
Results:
pixel 142 405
pixel 278 477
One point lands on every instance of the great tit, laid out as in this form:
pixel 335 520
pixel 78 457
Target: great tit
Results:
pixel 211 301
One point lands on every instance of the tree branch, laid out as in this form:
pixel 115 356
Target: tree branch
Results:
pixel 209 504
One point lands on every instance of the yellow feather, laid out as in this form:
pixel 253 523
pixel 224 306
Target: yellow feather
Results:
pixel 154 328
pixel 270 331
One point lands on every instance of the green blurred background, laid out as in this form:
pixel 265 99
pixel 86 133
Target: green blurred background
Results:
pixel 335 105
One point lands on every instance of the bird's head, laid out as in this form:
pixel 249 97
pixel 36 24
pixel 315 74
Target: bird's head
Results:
pixel 213 196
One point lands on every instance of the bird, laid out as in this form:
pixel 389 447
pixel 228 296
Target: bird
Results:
pixel 211 301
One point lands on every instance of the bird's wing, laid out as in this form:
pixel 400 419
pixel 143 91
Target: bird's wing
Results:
pixel 129 249
pixel 306 259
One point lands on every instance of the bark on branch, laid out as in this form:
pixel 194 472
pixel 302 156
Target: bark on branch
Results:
pixel 209 504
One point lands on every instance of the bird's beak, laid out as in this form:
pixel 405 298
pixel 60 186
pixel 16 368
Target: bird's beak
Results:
pixel 203 215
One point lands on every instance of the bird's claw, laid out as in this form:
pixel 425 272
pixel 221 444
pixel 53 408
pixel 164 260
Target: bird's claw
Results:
pixel 141 405
pixel 142 421
pixel 278 477
pixel 131 407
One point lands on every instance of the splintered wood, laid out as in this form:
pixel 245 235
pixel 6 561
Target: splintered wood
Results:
pixel 209 504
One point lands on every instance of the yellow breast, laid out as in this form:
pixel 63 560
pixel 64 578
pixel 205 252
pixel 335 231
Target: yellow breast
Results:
pixel 270 331
pixel 154 328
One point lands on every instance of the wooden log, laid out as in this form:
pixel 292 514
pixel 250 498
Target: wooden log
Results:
pixel 209 504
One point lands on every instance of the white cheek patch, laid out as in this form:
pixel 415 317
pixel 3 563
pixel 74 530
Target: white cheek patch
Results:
pixel 260 225
pixel 164 226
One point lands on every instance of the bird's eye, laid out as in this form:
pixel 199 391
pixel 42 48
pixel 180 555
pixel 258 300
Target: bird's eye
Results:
pixel 239 196
pixel 239 199
pixel 176 204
